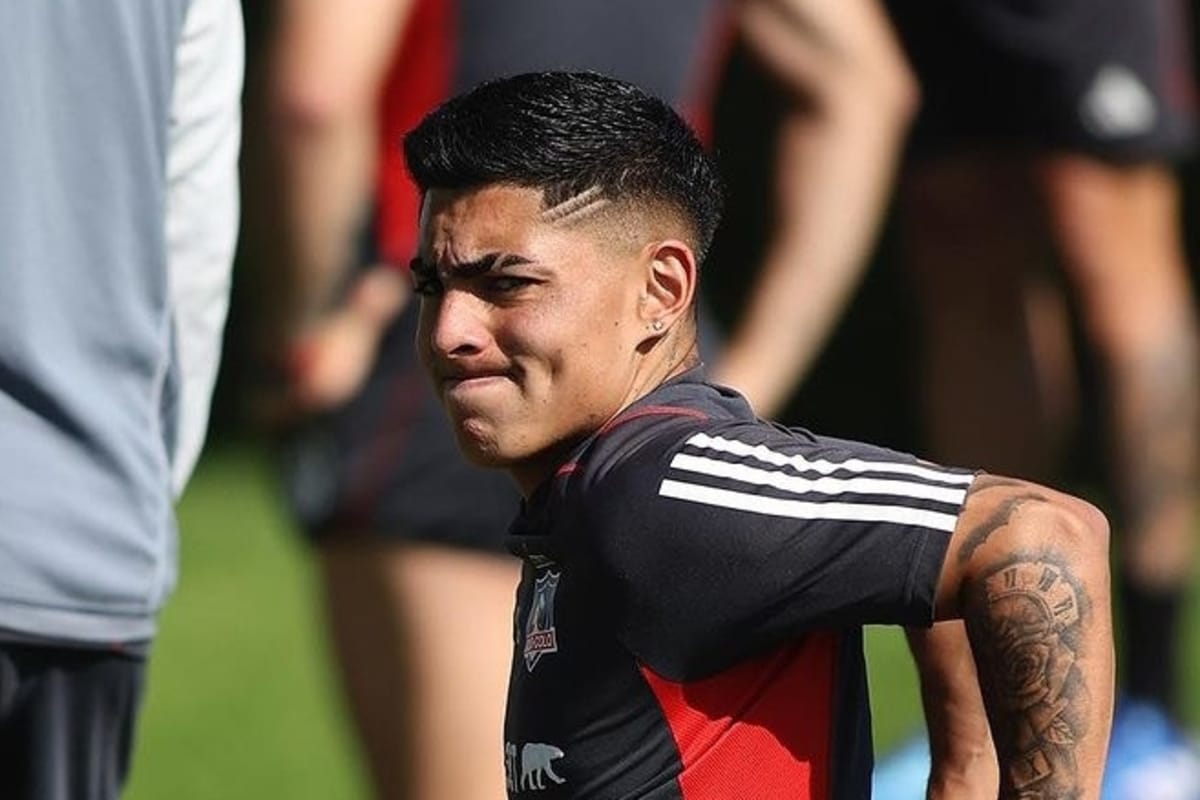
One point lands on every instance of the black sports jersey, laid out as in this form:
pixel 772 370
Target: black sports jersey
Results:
pixel 688 620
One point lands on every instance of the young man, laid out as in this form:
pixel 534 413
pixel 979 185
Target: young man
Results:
pixel 695 579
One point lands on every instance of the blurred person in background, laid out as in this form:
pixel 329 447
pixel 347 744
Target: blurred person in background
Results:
pixel 409 538
pixel 120 125
pixel 841 98
pixel 1040 183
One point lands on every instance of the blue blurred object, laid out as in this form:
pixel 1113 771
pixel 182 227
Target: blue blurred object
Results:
pixel 1149 758
pixel 903 773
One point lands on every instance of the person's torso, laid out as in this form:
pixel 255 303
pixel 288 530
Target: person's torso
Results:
pixel 588 716
pixel 86 370
pixel 587 719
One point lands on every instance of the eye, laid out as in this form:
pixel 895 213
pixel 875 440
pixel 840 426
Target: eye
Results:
pixel 508 283
pixel 426 285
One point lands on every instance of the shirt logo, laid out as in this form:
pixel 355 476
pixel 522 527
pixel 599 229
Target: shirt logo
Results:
pixel 540 635
pixel 1118 104
pixel 536 766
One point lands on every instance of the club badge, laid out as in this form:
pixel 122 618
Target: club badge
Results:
pixel 540 635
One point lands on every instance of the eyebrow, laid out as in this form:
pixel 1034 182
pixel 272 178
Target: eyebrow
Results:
pixel 468 269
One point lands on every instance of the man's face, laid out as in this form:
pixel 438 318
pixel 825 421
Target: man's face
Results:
pixel 529 323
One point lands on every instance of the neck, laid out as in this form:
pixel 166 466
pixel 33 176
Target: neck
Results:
pixel 671 355
pixel 675 353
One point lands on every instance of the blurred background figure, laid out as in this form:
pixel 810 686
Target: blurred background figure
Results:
pixel 1040 221
pixel 120 126
pixel 1040 195
pixel 810 113
pixel 408 537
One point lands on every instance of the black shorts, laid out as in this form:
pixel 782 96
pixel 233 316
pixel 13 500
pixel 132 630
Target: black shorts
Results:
pixel 1109 78
pixel 67 719
pixel 387 464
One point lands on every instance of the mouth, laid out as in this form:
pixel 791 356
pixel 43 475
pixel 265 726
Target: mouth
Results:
pixel 475 380
pixel 454 384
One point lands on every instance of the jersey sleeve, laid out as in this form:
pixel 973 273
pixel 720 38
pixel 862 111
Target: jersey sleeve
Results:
pixel 728 541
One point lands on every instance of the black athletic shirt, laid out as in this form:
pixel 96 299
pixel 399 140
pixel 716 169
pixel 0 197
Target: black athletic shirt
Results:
pixel 688 620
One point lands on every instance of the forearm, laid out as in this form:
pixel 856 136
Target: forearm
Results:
pixel 328 65
pixel 834 178
pixel 1034 594
pixel 836 152
pixel 327 175
pixel 963 758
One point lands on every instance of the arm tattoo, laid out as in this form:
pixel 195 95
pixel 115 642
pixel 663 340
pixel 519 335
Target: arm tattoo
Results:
pixel 1025 625
pixel 999 518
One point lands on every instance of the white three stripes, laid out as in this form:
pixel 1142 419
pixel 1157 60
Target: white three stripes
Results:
pixel 806 509
pixel 799 509
pixel 794 483
pixel 765 454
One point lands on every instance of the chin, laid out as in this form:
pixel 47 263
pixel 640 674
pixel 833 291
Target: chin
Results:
pixel 478 448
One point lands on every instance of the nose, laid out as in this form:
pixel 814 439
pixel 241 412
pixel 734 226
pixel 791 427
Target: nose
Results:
pixel 453 326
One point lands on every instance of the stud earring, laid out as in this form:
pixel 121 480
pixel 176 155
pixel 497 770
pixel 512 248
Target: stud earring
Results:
pixel 656 326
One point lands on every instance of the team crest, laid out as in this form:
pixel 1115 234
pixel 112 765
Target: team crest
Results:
pixel 540 636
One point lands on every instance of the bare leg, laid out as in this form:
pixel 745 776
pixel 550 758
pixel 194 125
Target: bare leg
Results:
pixel 1119 235
pixel 423 637
pixel 998 383
pixel 1118 230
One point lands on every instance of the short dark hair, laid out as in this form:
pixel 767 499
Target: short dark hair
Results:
pixel 565 133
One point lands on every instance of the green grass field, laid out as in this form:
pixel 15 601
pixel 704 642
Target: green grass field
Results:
pixel 241 701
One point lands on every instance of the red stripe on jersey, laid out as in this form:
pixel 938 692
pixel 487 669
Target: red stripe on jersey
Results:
pixel 761 729
pixel 651 411
pixel 418 82
pixel 715 47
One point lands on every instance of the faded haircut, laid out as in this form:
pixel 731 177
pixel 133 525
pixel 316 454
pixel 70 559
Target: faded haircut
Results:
pixel 566 133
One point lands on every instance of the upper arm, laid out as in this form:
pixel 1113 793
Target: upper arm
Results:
pixel 331 58
pixel 827 52
pixel 1007 523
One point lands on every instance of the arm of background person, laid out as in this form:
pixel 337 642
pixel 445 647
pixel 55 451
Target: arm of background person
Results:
pixel 836 155
pixel 202 208
pixel 328 64
pixel 1027 571
pixel 960 742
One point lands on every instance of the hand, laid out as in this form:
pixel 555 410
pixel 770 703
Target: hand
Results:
pixel 329 360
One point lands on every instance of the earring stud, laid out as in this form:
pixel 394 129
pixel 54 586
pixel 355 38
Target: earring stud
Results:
pixel 656 326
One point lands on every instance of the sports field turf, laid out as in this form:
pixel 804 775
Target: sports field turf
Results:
pixel 241 701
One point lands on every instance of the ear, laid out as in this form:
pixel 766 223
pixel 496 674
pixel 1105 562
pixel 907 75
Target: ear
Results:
pixel 669 285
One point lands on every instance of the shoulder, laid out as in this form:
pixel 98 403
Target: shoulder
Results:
pixel 696 472
pixel 641 439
